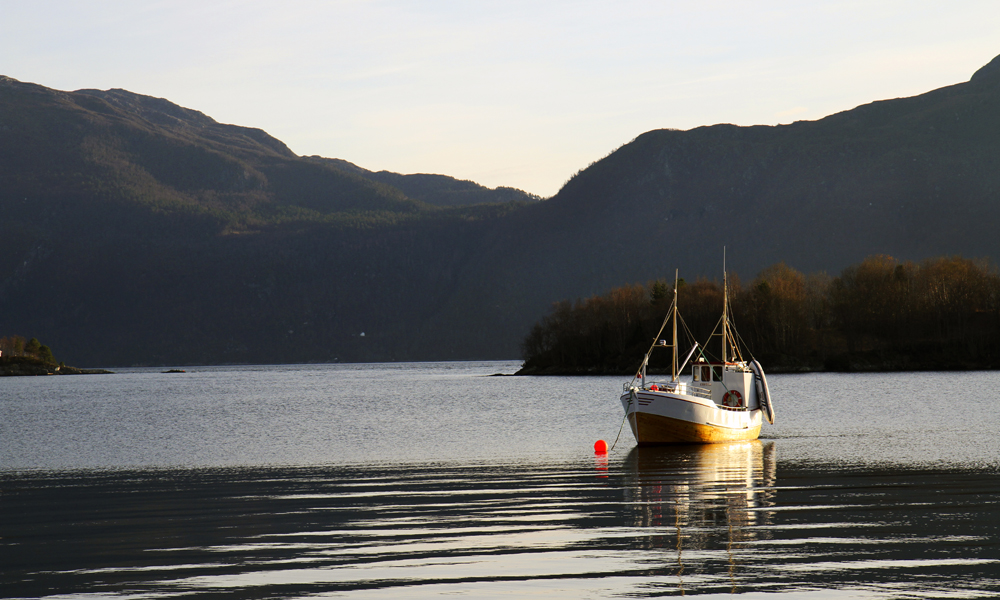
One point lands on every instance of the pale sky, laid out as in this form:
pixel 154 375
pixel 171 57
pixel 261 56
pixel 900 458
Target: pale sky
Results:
pixel 515 93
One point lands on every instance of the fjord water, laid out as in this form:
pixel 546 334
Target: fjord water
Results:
pixel 427 480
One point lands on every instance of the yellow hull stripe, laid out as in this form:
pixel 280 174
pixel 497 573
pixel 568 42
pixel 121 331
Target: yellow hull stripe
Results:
pixel 656 429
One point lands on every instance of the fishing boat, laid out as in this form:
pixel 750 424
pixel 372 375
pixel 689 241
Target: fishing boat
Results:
pixel 725 400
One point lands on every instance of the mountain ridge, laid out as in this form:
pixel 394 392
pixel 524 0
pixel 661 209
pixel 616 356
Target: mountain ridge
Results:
pixel 185 242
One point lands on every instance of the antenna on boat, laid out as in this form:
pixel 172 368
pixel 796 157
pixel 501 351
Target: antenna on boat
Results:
pixel 725 306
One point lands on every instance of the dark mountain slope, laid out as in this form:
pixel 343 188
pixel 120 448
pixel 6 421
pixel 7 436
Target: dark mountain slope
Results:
pixel 128 149
pixel 902 176
pixel 137 231
pixel 439 190
pixel 164 113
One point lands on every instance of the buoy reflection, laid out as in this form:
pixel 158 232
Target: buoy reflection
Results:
pixel 601 465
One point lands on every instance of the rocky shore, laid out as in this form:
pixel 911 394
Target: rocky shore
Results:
pixel 24 365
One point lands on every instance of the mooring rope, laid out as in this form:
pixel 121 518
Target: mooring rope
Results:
pixel 631 396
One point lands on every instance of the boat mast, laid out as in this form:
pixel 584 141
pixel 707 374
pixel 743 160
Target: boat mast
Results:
pixel 674 379
pixel 725 306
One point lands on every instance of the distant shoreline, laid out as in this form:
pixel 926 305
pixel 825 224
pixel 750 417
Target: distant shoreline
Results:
pixel 861 363
pixel 27 366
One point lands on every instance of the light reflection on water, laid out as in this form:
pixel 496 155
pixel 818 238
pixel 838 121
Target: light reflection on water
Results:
pixel 540 516
pixel 716 520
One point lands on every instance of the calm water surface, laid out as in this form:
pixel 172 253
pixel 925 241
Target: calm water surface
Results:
pixel 427 480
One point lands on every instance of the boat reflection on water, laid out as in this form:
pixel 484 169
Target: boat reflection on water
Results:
pixel 702 502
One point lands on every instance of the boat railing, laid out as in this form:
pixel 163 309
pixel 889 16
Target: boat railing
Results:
pixel 706 393
pixel 701 392
pixel 691 390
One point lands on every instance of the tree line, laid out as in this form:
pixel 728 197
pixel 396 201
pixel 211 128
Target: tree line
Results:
pixel 17 346
pixel 879 314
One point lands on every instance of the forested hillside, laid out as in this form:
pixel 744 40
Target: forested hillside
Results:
pixel 139 232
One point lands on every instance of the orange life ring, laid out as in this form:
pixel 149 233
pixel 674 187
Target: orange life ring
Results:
pixel 732 399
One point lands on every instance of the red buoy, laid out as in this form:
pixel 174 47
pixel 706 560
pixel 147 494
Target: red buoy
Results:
pixel 600 447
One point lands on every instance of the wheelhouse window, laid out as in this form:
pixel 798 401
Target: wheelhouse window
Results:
pixel 706 373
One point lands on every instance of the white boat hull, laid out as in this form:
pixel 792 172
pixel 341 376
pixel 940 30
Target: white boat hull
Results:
pixel 661 417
